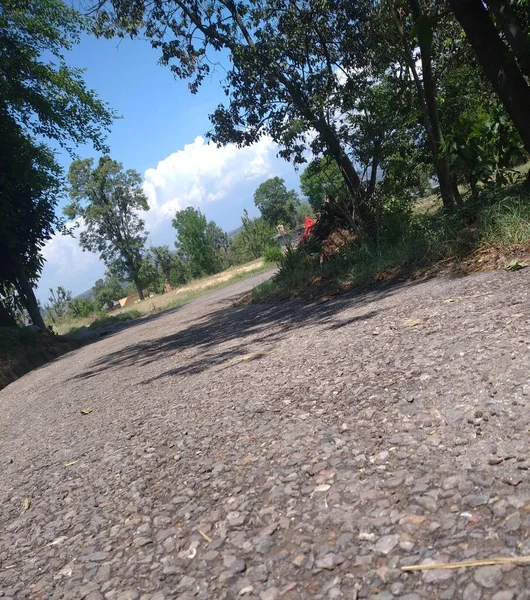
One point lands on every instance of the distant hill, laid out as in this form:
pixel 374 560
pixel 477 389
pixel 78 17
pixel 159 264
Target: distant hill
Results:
pixel 90 293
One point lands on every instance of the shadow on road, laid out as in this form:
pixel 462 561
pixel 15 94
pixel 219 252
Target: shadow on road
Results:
pixel 234 333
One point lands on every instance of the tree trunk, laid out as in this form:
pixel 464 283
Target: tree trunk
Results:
pixel 515 35
pixel 441 163
pixel 25 290
pixel 139 288
pixel 328 135
pixel 428 105
pixel 6 318
pixel 497 62
pixel 373 171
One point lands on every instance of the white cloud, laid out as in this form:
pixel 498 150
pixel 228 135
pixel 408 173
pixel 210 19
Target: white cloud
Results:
pixel 220 181
pixel 201 173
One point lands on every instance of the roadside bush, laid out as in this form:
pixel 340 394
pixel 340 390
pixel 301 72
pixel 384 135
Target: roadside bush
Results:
pixel 273 254
pixel 80 308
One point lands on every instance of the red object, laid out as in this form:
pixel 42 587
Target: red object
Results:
pixel 308 226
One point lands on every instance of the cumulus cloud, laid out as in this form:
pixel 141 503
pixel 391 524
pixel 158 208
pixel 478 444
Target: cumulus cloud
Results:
pixel 220 181
pixel 201 173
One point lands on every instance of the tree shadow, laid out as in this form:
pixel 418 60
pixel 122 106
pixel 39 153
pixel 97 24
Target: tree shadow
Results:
pixel 229 335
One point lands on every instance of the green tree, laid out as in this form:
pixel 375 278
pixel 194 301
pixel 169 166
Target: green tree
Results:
pixel 287 68
pixel 40 96
pixel 164 261
pixel 499 59
pixel 249 243
pixel 81 308
pixel 276 203
pixel 58 302
pixel 199 240
pixel 108 199
pixel 320 179
pixel 108 290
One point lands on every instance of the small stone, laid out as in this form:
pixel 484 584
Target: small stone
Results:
pixel 386 544
pixel 427 502
pixel 129 595
pixel 299 560
pixel 382 596
pixel 270 594
pixel 327 562
pixel 507 595
pixel 513 522
pixel 488 577
pixel 436 575
pixel 248 589
pixel 238 566
pixel 494 460
pixel 472 592
pixel 95 595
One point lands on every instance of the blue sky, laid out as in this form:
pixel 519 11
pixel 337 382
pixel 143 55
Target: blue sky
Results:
pixel 161 135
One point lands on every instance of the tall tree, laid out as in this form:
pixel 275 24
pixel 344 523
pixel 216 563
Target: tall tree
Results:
pixel 276 203
pixel 286 66
pixel 108 199
pixel 199 240
pixel 427 94
pixel 497 61
pixel 40 95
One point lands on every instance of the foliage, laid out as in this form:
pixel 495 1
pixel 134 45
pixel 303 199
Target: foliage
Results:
pixel 303 210
pixel 29 188
pixel 161 268
pixel 58 302
pixel 81 308
pixel 273 254
pixel 201 242
pixel 411 242
pixel 41 98
pixel 277 205
pixel 249 243
pixel 108 290
pixel 320 179
pixel 108 199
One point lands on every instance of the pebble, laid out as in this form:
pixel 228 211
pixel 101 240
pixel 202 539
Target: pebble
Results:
pixel 488 577
pixel 271 593
pixel 386 544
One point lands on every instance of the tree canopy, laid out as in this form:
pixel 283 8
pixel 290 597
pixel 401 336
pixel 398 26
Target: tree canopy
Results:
pixel 109 199
pixel 200 241
pixel 276 203
pixel 41 98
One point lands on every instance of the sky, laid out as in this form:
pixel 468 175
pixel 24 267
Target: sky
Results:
pixel 161 134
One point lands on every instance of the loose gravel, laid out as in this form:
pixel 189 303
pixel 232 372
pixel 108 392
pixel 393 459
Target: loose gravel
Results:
pixel 306 450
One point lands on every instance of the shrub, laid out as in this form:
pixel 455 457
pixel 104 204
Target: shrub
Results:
pixel 273 254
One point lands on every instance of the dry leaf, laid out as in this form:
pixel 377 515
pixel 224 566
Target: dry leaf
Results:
pixel 450 300
pixel 413 322
pixel 86 411
pixel 69 464
pixel 27 504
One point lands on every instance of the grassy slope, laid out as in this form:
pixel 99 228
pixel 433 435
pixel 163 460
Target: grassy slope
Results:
pixel 489 233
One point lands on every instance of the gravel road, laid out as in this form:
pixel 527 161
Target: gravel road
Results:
pixel 304 450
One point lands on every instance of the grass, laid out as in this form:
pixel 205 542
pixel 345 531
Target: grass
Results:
pixel 424 241
pixel 24 349
pixel 173 299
